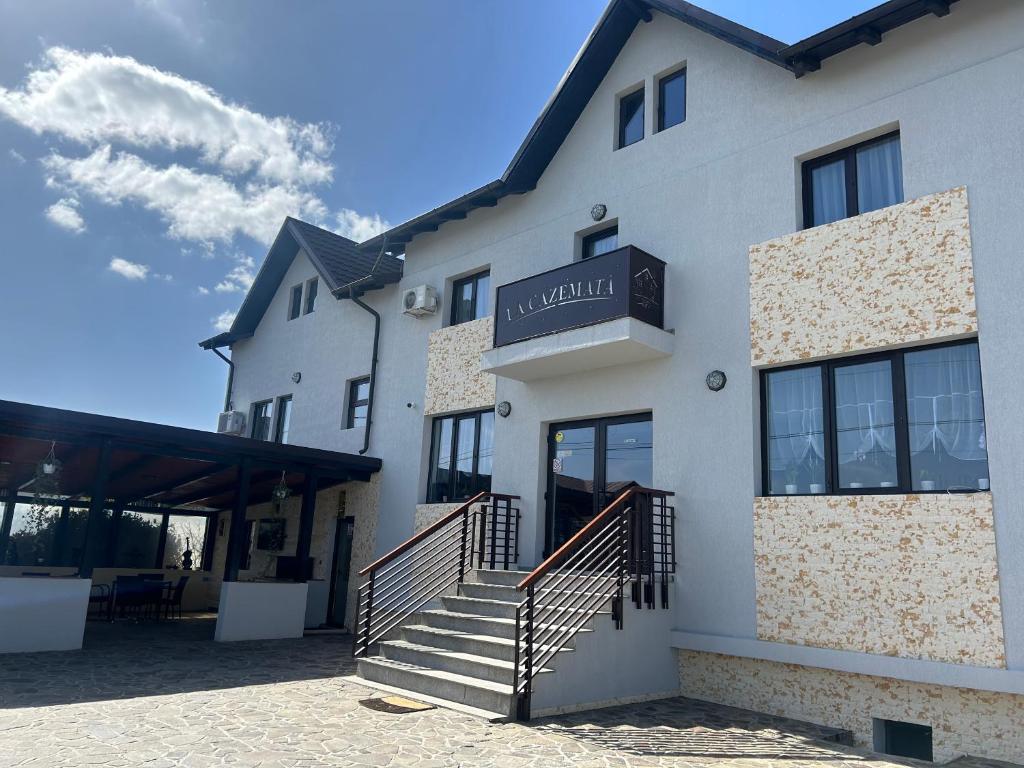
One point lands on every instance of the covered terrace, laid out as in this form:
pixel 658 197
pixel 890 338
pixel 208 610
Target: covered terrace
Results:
pixel 86 498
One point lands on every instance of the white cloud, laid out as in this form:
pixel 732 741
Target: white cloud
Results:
pixel 202 291
pixel 97 98
pixel 16 156
pixel 64 213
pixel 240 277
pixel 358 227
pixel 128 269
pixel 223 321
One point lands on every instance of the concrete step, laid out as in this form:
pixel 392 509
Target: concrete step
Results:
pixel 500 608
pixel 484 695
pixel 506 578
pixel 506 593
pixel 498 648
pixel 457 662
pixel 478 625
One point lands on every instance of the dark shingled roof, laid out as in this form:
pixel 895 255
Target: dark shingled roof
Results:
pixel 595 59
pixel 339 261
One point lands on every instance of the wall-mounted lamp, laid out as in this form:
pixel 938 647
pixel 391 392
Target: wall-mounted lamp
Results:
pixel 297 377
pixel 504 408
pixel 716 381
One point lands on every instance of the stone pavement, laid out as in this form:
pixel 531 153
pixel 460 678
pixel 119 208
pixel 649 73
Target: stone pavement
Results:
pixel 164 696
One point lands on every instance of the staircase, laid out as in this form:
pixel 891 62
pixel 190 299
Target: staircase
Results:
pixel 434 623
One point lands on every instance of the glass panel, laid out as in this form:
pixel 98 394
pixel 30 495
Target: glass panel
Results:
pixel 462 311
pixel 483 296
pixel 311 295
pixel 796 432
pixel 363 390
pixel 602 242
pixel 261 421
pixel 672 100
pixel 946 418
pixel 628 458
pixel 631 118
pixel 465 441
pixel 295 303
pixel 441 461
pixel 359 416
pixel 572 503
pixel 138 536
pixel 186 536
pixel 828 193
pixel 33 533
pixel 879 175
pixel 865 432
pixel 284 419
pixel 485 455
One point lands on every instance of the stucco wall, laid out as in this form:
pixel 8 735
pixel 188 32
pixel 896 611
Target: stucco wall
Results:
pixel 889 277
pixel 963 721
pixel 912 576
pixel 454 379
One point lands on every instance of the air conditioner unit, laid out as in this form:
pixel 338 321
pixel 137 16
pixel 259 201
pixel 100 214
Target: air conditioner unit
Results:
pixel 231 423
pixel 418 301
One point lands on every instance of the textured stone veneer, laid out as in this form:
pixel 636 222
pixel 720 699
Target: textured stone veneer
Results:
pixel 963 721
pixel 893 276
pixel 429 513
pixel 912 576
pixel 454 379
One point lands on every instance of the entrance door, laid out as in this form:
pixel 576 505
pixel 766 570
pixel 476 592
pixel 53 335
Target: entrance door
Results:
pixel 339 573
pixel 590 463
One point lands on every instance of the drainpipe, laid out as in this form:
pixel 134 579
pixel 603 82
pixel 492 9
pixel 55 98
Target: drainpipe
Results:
pixel 231 377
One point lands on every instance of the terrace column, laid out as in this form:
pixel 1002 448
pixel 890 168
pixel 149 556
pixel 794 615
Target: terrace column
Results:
pixel 236 531
pixel 6 521
pixel 94 527
pixel 308 509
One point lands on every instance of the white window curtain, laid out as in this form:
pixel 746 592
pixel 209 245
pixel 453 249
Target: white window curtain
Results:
pixel 828 192
pixel 879 175
pixel 864 412
pixel 796 430
pixel 944 402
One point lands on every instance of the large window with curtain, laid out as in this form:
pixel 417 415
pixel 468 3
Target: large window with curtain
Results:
pixel 461 456
pixel 854 180
pixel 908 421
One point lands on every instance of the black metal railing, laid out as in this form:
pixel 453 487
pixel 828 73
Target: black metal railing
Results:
pixel 632 541
pixel 483 532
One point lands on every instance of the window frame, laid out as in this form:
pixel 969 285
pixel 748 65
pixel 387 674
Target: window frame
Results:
pixel 662 81
pixel 457 285
pixel 455 417
pixel 278 416
pixel 252 426
pixel 309 302
pixel 849 157
pixel 620 132
pixel 294 302
pixel 587 240
pixel 895 357
pixel 354 402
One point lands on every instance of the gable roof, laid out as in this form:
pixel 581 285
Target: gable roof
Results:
pixel 340 262
pixel 595 58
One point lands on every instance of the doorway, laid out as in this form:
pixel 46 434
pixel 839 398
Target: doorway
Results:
pixel 589 463
pixel 342 564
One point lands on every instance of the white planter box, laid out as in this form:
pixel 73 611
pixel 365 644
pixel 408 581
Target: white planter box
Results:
pixel 260 611
pixel 42 614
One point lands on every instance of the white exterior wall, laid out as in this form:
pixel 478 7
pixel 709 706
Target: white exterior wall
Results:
pixel 697 196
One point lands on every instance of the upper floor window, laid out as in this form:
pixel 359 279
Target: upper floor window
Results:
pixel 461 456
pixel 855 180
pixel 358 402
pixel 295 302
pixel 893 422
pixel 311 288
pixel 671 99
pixel 283 424
pixel 262 420
pixel 631 118
pixel 600 242
pixel 471 297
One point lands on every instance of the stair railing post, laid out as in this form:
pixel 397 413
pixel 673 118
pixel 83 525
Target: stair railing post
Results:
pixel 481 537
pixel 523 702
pixel 621 546
pixel 465 541
pixel 369 613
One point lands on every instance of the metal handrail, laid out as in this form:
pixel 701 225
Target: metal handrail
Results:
pixel 631 541
pixel 419 569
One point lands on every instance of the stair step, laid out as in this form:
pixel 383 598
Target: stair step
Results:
pixel 506 578
pixel 476 624
pixel 495 608
pixel 498 648
pixel 506 593
pixel 457 662
pixel 461 689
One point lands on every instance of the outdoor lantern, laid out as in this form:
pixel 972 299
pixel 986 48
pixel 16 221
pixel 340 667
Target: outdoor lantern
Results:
pixel 715 381
pixel 281 490
pixel 504 409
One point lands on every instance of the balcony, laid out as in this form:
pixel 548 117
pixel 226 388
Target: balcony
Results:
pixel 604 311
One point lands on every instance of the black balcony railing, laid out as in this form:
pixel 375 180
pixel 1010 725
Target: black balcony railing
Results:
pixel 626 282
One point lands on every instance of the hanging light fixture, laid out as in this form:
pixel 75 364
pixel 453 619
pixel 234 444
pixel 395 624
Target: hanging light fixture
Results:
pixel 281 491
pixel 48 472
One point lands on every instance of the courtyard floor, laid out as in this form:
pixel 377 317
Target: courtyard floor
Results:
pixel 165 695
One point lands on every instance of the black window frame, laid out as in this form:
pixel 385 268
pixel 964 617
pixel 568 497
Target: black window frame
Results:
pixel 588 241
pixel 828 367
pixel 624 99
pixel 472 280
pixel 279 414
pixel 662 82
pixel 849 157
pixel 432 498
pixel 252 427
pixel 295 302
pixel 312 289
pixel 354 401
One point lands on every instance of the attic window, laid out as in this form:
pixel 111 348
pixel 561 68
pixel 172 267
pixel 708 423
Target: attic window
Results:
pixel 295 302
pixel 631 118
pixel 311 287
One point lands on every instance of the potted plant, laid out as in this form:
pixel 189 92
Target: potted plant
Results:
pixel 926 483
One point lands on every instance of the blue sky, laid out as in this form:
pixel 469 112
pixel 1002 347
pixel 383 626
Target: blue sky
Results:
pixel 150 149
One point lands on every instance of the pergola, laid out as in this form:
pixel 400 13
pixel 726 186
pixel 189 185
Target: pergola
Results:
pixel 124 465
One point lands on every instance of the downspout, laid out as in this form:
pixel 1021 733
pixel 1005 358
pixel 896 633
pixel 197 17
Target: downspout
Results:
pixel 231 377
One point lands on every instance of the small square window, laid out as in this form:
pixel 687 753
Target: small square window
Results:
pixel 893 737
pixel 358 402
pixel 597 243
pixel 631 118
pixel 295 302
pixel 311 288
pixel 470 298
pixel 672 100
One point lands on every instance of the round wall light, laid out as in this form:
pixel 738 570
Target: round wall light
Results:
pixel 504 408
pixel 297 377
pixel 716 381
pixel 598 211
